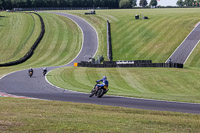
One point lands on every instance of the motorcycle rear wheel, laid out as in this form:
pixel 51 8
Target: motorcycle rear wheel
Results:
pixel 100 93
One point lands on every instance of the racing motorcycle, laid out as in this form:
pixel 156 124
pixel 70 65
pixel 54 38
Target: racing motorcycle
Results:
pixel 44 72
pixel 98 91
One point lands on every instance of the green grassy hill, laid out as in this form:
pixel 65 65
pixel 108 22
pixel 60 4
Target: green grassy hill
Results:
pixel 18 32
pixel 61 43
pixel 153 39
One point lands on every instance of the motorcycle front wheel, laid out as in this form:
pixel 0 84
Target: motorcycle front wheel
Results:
pixel 92 93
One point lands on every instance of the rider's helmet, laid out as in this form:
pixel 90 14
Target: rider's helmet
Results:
pixel 104 77
pixel 30 68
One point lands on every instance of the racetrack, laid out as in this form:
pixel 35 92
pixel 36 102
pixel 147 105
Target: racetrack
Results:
pixel 182 53
pixel 18 83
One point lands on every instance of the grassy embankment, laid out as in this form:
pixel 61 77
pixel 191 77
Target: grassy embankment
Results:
pixel 61 43
pixel 154 39
pixel 18 32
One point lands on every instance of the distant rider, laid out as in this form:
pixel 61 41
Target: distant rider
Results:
pixel 30 71
pixel 44 71
pixel 104 83
pixel 170 60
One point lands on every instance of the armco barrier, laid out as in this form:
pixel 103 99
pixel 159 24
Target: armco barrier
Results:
pixel 136 64
pixel 31 51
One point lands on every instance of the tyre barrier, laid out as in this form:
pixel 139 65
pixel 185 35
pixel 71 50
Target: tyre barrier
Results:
pixel 109 44
pixel 31 51
pixel 138 63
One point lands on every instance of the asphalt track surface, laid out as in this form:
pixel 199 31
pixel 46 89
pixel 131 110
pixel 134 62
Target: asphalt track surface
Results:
pixel 19 84
pixel 182 53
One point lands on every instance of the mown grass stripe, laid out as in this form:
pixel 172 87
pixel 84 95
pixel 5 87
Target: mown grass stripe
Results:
pixel 138 32
pixel 168 36
pixel 47 45
pixel 148 43
pixel 20 47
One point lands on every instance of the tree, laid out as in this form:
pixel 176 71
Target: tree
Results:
pixel 134 3
pixel 143 3
pixel 189 2
pixel 198 2
pixel 124 4
pixel 153 3
pixel 1 3
pixel 7 4
pixel 180 3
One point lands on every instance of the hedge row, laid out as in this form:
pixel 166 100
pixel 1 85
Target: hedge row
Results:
pixel 31 51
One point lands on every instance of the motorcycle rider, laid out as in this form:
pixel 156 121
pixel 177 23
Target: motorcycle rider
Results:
pixel 44 70
pixel 170 60
pixel 30 70
pixel 104 83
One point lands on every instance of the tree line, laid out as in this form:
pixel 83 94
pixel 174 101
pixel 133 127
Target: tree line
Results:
pixel 154 3
pixel 9 4
pixel 133 3
pixel 188 3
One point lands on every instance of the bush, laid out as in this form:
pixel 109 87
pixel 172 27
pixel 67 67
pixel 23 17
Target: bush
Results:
pixel 124 4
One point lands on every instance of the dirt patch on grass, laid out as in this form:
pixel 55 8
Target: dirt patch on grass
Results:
pixel 5 125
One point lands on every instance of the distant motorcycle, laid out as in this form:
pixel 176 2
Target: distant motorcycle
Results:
pixel 44 72
pixel 30 72
pixel 98 91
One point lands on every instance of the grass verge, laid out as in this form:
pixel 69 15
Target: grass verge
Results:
pixel 19 115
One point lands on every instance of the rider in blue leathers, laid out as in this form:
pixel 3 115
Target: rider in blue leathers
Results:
pixel 104 82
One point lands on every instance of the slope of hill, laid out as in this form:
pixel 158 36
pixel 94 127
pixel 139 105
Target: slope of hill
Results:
pixel 18 32
pixel 60 44
pixel 153 39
